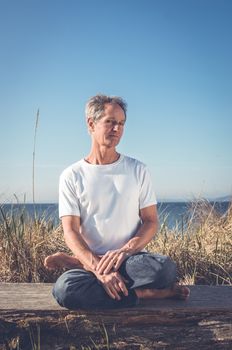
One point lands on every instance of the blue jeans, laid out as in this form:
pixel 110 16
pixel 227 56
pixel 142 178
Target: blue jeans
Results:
pixel 80 289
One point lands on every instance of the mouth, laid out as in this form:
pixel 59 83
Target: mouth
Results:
pixel 114 136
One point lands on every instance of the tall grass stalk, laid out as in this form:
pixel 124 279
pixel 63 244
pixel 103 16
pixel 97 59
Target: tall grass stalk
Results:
pixel 35 338
pixel 33 163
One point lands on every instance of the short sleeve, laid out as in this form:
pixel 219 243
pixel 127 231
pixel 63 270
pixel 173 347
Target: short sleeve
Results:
pixel 68 200
pixel 147 194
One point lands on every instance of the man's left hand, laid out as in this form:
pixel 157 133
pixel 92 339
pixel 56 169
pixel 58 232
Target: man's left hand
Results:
pixel 111 261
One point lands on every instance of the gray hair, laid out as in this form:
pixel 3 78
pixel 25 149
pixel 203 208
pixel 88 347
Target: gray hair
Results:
pixel 96 105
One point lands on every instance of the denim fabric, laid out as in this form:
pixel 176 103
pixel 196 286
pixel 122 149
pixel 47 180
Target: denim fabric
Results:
pixel 80 289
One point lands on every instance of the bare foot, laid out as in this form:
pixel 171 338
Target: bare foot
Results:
pixel 61 260
pixel 176 292
pixel 180 292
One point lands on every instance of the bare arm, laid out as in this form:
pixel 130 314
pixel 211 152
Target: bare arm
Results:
pixel 112 282
pixel 76 243
pixel 146 231
pixel 113 259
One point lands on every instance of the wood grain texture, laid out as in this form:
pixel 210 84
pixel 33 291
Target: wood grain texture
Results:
pixel 38 296
pixel 204 321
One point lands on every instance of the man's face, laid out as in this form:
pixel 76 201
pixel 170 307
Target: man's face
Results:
pixel 108 130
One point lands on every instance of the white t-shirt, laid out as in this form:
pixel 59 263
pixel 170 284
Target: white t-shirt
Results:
pixel 107 198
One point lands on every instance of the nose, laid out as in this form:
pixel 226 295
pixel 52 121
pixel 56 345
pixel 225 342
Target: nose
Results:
pixel 116 126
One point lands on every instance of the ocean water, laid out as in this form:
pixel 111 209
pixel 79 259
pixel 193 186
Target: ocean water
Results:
pixel 170 213
pixel 177 214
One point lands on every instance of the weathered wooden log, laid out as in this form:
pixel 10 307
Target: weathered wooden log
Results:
pixel 28 314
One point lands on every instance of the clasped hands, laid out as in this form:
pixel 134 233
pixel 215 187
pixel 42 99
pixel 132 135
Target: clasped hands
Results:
pixel 107 273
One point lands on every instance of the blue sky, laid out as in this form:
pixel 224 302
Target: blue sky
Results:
pixel 169 59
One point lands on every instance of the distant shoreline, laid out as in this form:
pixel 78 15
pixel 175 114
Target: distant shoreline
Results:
pixel 227 199
pixel 171 214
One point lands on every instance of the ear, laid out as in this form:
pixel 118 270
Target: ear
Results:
pixel 90 124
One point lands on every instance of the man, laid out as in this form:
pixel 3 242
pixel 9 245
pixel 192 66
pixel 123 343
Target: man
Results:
pixel 108 210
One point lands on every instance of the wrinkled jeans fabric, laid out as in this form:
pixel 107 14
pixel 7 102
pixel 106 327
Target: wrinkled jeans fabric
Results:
pixel 80 289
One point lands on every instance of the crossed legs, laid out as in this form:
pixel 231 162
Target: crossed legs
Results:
pixel 158 285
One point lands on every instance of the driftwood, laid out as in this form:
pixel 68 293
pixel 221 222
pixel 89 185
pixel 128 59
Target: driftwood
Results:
pixel 31 319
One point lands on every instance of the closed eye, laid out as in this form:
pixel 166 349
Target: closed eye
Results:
pixel 121 123
pixel 113 122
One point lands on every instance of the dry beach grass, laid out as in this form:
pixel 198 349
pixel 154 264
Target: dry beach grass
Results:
pixel 202 251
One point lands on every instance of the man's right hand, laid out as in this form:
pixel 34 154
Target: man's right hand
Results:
pixel 113 284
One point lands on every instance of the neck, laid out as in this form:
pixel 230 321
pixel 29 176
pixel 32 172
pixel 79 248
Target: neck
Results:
pixel 102 156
